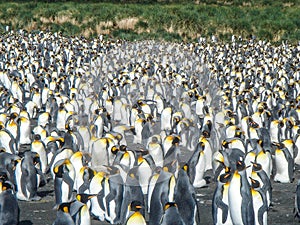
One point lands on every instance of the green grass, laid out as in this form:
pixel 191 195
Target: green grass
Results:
pixel 175 21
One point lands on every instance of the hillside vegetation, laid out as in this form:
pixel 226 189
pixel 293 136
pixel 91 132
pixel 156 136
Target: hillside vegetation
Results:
pixel 171 21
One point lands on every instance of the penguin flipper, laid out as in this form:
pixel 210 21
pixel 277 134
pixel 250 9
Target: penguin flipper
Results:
pixel 108 199
pixel 43 177
pixel 261 211
pixel 224 209
pixel 100 197
pixel 69 181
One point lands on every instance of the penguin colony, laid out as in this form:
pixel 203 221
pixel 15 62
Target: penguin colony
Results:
pixel 127 131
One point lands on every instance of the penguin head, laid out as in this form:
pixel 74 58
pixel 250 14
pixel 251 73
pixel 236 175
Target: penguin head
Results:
pixel 84 198
pixel 64 207
pixel 225 144
pixel 225 177
pixel 136 206
pixel 176 140
pixel 206 134
pixel 254 183
pixel 169 205
pixel 256 166
pixel 37 137
pixel 3 176
pixel 240 165
pixel 114 150
pixel 7 186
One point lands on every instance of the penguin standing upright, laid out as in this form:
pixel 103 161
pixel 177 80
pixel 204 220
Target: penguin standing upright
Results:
pixel 112 195
pixel 260 205
pixel 39 147
pixel 284 164
pixel 185 198
pixel 155 150
pixel 135 217
pixel 132 191
pixel 79 209
pixel 27 178
pixel 9 209
pixel 83 179
pixel 239 197
pixel 197 166
pixel 63 216
pixel 171 215
pixel 145 167
pixel 78 160
pixel 166 119
pixel 63 181
pixel 297 202
pixel 138 127
pixel 220 204
pixel 24 131
pixel 260 175
pixel 96 186
pixel 163 192
pixel 7 140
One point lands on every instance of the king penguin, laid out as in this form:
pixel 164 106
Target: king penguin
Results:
pixel 63 216
pixel 9 209
pixel 163 192
pixel 239 197
pixel 185 198
pixel 197 166
pixel 132 192
pixel 63 181
pixel 260 205
pixel 284 164
pixel 135 217
pixel 171 215
pixel 297 202
pixel 27 178
pixel 220 204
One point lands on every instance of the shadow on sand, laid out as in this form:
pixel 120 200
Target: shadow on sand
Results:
pixel 25 222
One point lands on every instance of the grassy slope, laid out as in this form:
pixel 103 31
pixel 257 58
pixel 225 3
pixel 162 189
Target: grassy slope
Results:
pixel 273 20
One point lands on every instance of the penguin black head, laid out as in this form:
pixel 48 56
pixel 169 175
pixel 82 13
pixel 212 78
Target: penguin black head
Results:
pixel 7 186
pixel 64 207
pixel 176 140
pixel 225 144
pixel 206 134
pixel 136 206
pixel 240 165
pixel 37 137
pixel 3 176
pixel 84 198
pixel 123 148
pixel 254 183
pixel 256 166
pixel 114 150
pixel 2 149
pixel 170 204
pixel 185 167
pixel 13 115
pixel 225 177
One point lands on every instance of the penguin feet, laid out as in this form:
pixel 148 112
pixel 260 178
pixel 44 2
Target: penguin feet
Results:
pixel 36 198
pixel 201 183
